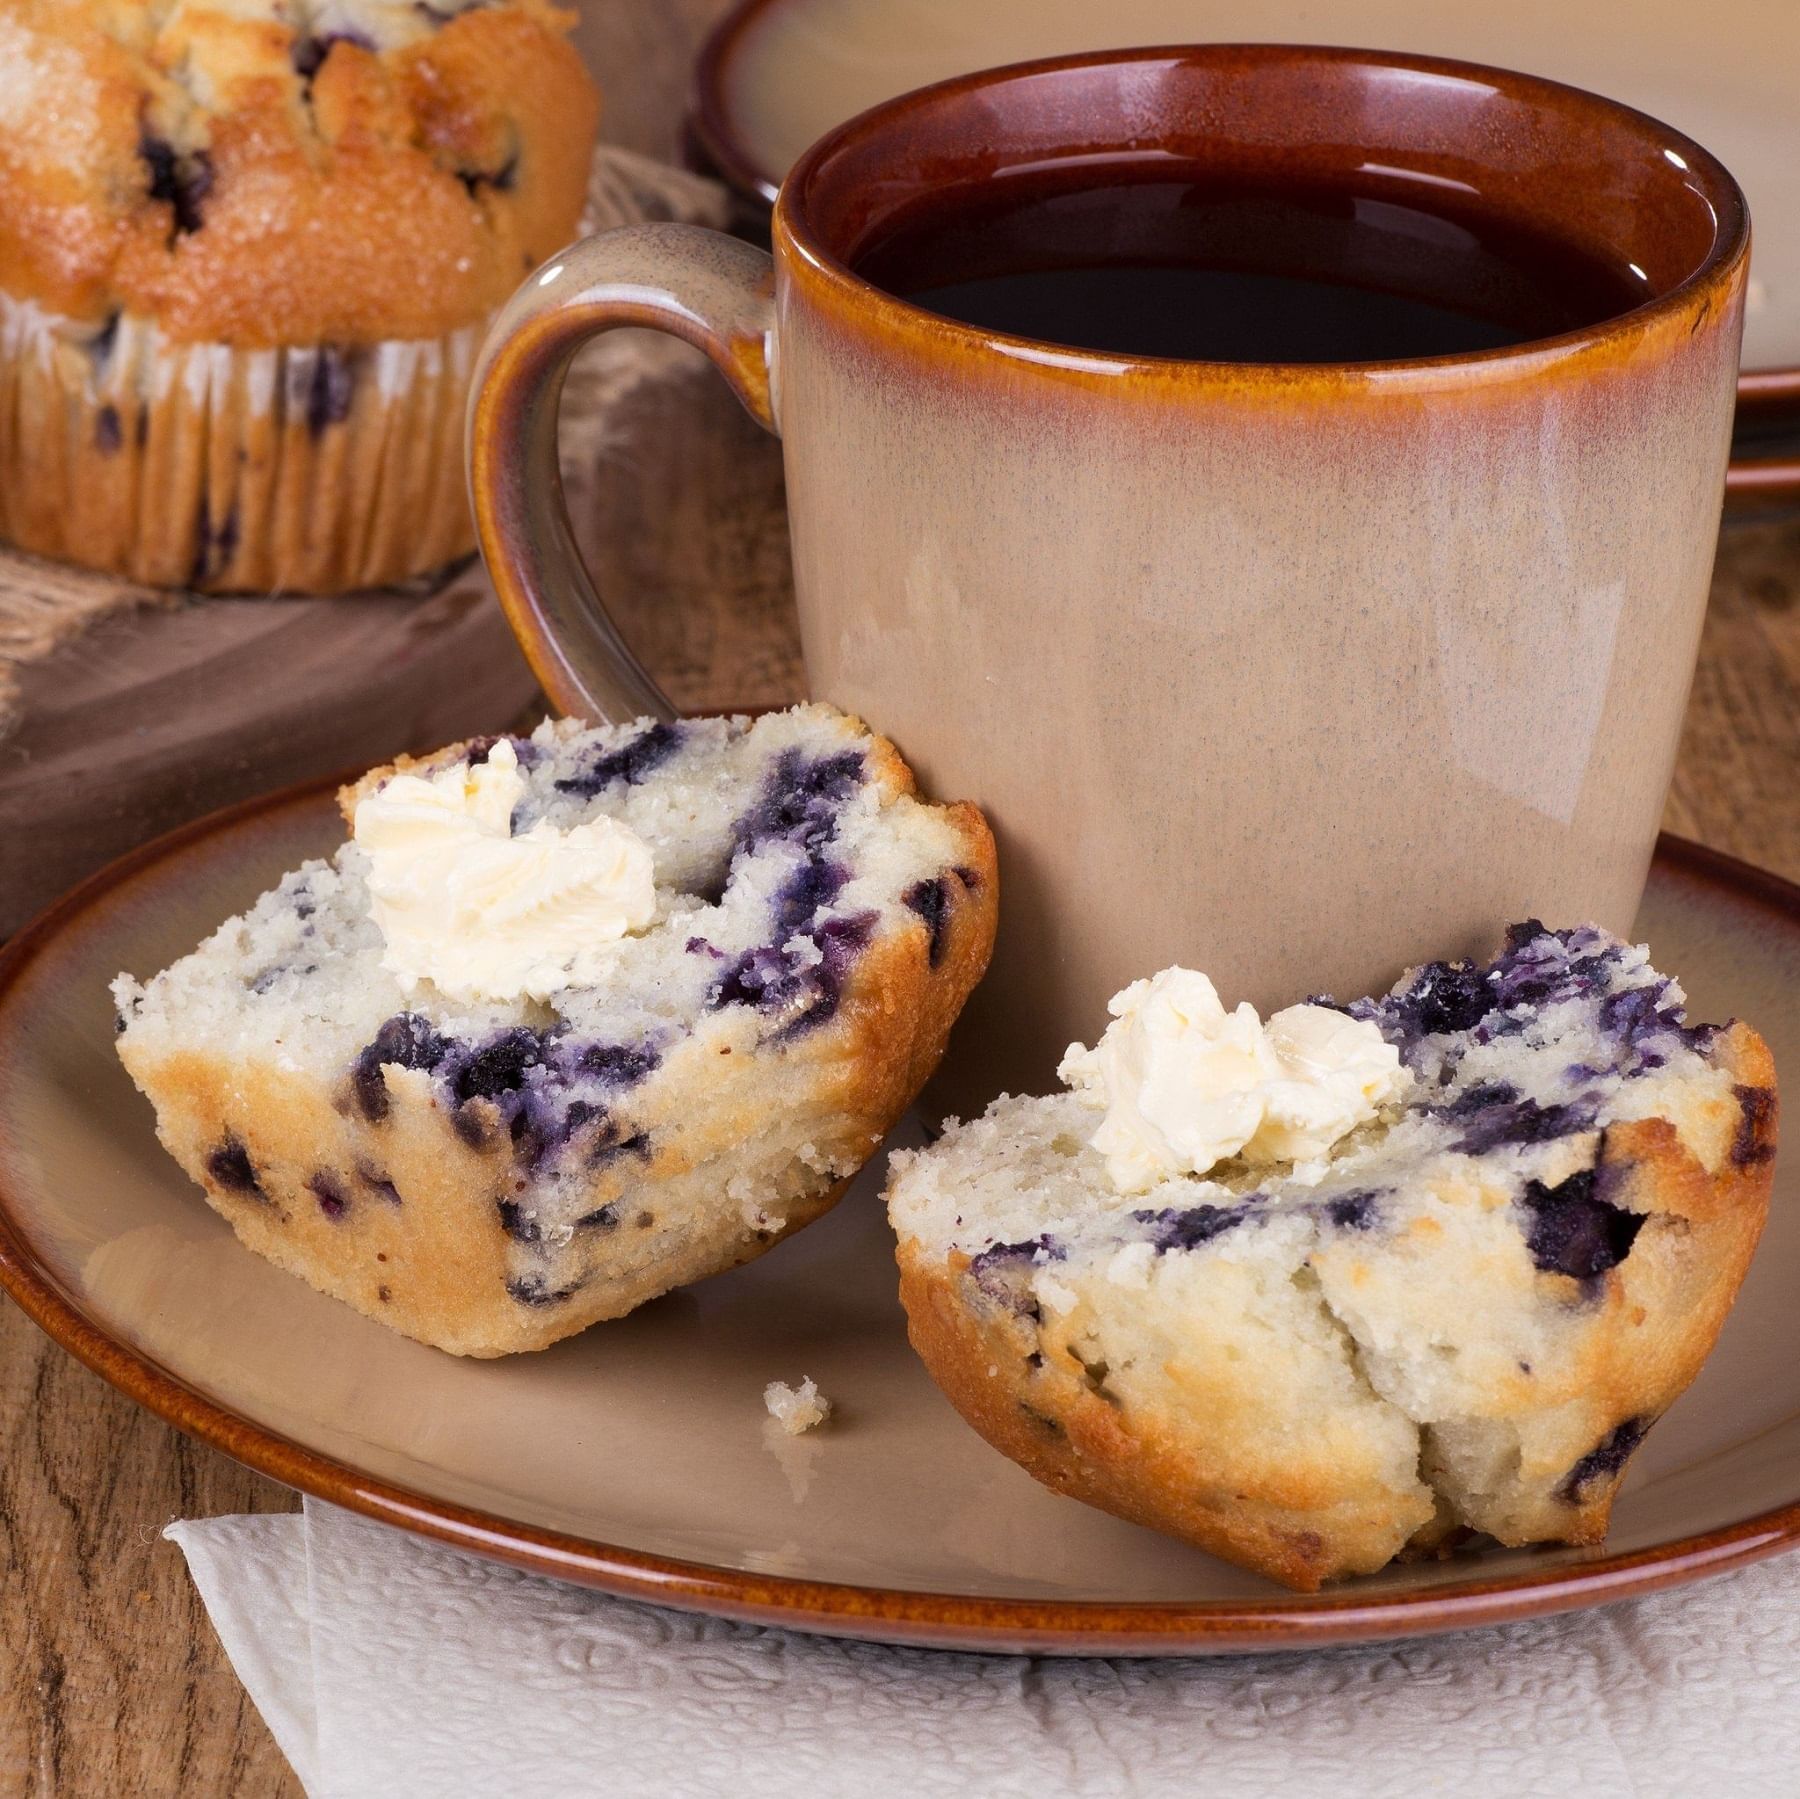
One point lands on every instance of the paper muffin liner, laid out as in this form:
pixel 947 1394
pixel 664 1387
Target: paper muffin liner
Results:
pixel 312 470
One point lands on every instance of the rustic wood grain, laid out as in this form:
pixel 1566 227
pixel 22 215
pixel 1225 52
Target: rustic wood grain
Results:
pixel 686 534
pixel 111 1681
pixel 1737 780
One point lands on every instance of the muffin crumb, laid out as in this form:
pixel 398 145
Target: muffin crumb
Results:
pixel 796 1409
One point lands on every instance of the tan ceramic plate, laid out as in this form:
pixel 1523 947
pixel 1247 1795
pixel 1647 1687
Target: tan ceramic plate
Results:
pixel 777 74
pixel 636 1457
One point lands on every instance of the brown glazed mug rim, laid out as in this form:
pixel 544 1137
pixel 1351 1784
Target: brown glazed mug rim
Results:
pixel 796 231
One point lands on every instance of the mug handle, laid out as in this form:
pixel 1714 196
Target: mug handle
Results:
pixel 712 290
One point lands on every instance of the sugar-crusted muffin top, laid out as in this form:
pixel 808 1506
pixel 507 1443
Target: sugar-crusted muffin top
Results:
pixel 262 172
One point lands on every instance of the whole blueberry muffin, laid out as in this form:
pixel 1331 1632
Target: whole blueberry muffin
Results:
pixel 572 1019
pixel 1421 1270
pixel 247 251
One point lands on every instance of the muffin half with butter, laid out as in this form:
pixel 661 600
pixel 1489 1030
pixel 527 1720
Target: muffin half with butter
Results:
pixel 247 252
pixel 572 1018
pixel 1360 1281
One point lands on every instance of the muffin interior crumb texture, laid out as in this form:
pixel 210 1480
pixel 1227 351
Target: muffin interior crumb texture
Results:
pixel 1428 1289
pixel 706 1087
pixel 751 918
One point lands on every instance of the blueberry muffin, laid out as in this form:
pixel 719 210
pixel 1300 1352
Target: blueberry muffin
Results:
pixel 1458 1320
pixel 247 252
pixel 491 1175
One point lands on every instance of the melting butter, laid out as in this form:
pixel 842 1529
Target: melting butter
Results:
pixel 1185 1085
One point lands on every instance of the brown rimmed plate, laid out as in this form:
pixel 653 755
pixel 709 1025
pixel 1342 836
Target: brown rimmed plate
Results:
pixel 637 1458
pixel 777 74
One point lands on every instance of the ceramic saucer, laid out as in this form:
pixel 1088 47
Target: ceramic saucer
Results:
pixel 638 1457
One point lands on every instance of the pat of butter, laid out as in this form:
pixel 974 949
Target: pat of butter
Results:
pixel 1186 1084
pixel 485 915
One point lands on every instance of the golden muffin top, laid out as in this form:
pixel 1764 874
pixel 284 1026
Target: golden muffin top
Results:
pixel 262 172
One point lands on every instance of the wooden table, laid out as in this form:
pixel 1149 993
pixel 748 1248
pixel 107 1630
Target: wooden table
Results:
pixel 111 1681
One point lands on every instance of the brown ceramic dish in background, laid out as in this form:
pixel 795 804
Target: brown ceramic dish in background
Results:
pixel 774 75
pixel 1298 674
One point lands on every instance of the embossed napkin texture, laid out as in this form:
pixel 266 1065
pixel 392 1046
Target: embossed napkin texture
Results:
pixel 387 1666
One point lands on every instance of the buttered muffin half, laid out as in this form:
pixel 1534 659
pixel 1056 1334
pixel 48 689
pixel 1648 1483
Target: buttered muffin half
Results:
pixel 1369 1279
pixel 573 1018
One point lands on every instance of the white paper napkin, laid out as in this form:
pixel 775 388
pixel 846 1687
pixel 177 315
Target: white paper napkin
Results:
pixel 389 1666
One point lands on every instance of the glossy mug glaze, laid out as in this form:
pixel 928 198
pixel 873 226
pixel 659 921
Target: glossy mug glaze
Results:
pixel 1294 673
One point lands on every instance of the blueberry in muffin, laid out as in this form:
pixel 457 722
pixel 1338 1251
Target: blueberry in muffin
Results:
pixel 1374 1279
pixel 574 1018
pixel 247 252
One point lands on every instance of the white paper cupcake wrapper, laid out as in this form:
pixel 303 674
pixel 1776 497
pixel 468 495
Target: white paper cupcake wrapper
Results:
pixel 313 470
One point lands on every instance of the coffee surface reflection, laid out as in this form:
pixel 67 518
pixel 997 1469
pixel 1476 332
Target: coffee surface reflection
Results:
pixel 1207 270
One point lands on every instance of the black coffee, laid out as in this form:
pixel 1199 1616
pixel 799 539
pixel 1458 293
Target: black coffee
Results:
pixel 1226 272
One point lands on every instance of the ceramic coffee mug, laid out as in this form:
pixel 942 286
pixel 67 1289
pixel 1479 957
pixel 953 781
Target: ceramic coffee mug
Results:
pixel 1295 674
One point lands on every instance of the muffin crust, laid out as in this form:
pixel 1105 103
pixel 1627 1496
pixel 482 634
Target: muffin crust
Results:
pixel 283 171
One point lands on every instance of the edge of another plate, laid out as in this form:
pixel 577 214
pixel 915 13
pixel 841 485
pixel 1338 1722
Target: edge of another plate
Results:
pixel 880 1614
